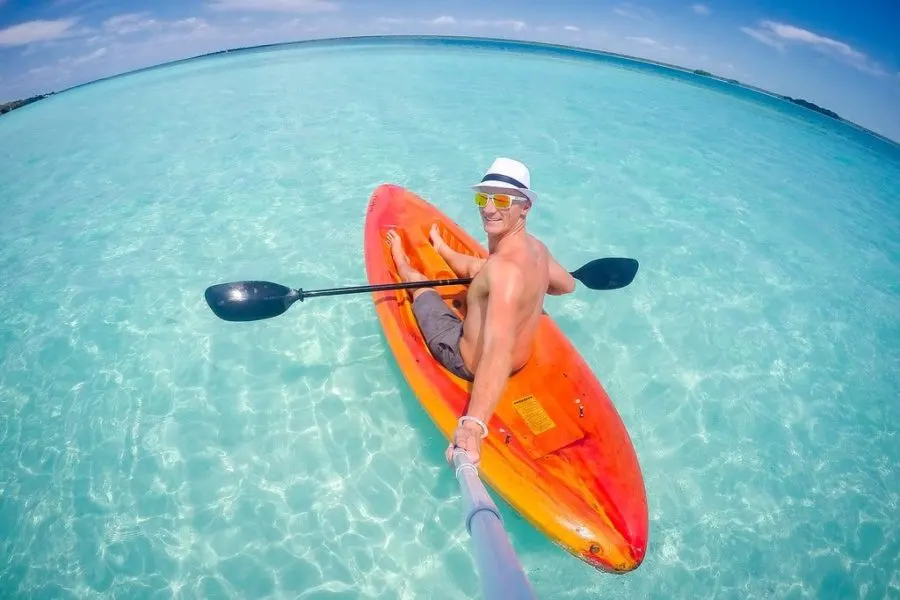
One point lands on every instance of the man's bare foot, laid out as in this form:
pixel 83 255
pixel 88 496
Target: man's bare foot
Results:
pixel 436 240
pixel 404 269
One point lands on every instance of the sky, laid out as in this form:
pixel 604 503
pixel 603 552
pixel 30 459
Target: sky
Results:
pixel 844 56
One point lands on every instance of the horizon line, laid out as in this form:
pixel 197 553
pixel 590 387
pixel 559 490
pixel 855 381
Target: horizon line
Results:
pixel 571 50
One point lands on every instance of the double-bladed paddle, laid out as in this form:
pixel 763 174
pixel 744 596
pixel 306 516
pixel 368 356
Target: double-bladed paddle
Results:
pixel 256 300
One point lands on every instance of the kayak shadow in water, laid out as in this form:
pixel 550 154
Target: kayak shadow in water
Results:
pixel 433 442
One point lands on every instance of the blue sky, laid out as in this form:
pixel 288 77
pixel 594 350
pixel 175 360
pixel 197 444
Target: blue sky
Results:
pixel 841 55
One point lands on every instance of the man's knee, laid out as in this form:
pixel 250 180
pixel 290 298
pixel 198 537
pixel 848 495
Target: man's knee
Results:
pixel 431 310
pixel 442 330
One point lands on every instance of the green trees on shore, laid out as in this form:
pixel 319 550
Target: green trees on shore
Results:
pixel 8 106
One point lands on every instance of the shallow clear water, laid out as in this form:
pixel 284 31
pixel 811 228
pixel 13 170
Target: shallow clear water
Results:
pixel 148 449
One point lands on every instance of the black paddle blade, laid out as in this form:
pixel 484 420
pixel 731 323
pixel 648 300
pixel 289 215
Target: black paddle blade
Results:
pixel 607 273
pixel 249 300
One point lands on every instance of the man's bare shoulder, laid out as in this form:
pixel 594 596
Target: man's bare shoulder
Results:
pixel 542 247
pixel 503 271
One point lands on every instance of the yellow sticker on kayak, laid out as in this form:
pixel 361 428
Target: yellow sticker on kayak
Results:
pixel 534 415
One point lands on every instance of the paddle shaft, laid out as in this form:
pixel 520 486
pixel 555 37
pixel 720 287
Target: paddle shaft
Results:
pixel 604 273
pixel 382 287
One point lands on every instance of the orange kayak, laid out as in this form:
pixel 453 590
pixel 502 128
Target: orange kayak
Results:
pixel 557 451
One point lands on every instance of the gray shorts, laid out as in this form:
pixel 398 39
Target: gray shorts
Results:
pixel 442 330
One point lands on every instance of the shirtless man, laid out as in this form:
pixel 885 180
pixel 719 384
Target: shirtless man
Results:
pixel 504 301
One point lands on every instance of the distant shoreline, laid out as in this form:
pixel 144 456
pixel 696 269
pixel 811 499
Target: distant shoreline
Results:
pixel 798 101
pixel 10 106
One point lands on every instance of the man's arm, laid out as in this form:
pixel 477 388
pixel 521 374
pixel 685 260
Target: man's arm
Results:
pixel 561 281
pixel 461 264
pixel 491 376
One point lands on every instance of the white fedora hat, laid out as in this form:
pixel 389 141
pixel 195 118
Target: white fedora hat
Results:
pixel 510 174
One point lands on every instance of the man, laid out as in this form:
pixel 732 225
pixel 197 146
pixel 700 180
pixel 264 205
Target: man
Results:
pixel 504 301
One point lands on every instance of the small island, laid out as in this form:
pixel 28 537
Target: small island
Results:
pixel 797 101
pixel 8 106
pixel 703 73
pixel 812 106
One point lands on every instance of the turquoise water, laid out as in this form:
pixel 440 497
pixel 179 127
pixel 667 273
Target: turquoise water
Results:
pixel 149 450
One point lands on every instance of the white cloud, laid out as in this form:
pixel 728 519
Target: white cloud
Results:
pixel 789 32
pixel 79 60
pixel 642 40
pixel 129 23
pixel 636 13
pixel 777 34
pixel 290 6
pixel 516 25
pixel 93 55
pixel 447 20
pixel 392 21
pixel 443 20
pixel 192 23
pixel 35 31
pixel 701 9
pixel 121 26
pixel 622 12
pixel 763 38
pixel 571 28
